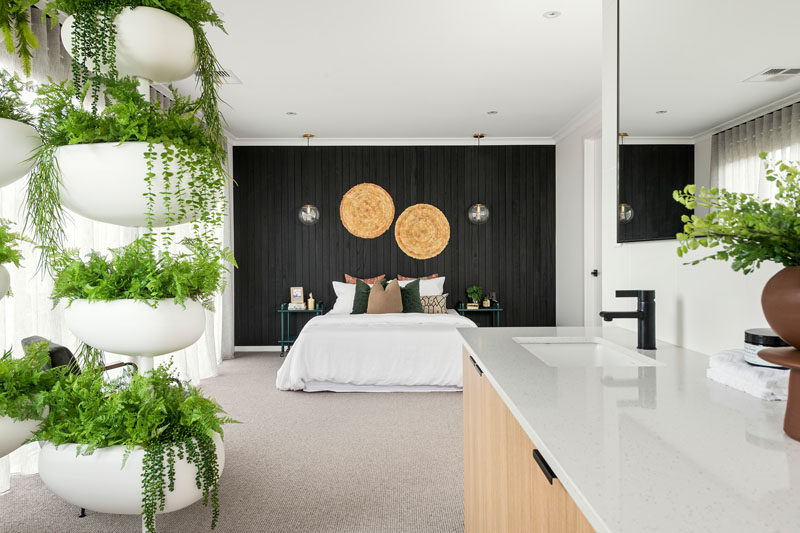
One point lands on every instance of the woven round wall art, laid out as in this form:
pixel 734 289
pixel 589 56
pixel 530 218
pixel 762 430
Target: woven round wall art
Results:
pixel 422 231
pixel 366 210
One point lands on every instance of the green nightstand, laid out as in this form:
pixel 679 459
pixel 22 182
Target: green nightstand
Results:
pixel 286 339
pixel 495 309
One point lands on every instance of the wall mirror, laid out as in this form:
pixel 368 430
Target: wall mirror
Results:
pixel 703 87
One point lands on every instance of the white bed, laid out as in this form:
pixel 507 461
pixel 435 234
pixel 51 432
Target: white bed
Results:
pixel 376 353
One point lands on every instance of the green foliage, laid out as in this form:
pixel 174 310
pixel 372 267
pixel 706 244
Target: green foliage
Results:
pixel 168 418
pixel 15 27
pixel 475 293
pixel 746 229
pixel 24 382
pixel 195 189
pixel 12 106
pixel 9 242
pixel 94 45
pixel 137 272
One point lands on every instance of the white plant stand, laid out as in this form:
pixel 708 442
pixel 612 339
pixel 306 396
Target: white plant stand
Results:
pixel 18 142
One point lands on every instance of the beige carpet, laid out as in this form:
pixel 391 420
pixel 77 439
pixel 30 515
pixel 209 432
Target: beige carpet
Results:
pixel 301 462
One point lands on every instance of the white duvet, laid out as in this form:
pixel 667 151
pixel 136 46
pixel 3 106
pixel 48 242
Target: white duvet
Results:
pixel 368 352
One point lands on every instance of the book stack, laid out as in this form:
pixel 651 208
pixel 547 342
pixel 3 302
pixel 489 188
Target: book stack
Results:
pixel 471 305
pixel 297 306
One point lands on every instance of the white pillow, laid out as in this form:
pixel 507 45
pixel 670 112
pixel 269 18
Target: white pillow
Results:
pixel 428 287
pixel 345 294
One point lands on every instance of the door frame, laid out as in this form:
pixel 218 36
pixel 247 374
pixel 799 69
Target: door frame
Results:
pixel 592 228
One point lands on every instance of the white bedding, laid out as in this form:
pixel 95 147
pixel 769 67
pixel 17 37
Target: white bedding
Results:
pixel 394 351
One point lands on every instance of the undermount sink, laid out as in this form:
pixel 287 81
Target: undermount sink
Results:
pixel 583 352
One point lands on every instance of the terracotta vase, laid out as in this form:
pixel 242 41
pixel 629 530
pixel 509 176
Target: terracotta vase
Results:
pixel 781 303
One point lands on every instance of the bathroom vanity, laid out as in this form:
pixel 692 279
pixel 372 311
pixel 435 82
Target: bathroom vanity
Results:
pixel 574 429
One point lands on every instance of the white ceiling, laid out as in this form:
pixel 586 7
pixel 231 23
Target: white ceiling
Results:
pixel 690 58
pixel 411 69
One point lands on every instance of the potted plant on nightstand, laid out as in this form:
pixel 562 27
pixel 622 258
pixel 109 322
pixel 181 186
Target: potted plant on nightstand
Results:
pixel 748 230
pixel 23 384
pixel 474 293
pixel 17 134
pixel 144 446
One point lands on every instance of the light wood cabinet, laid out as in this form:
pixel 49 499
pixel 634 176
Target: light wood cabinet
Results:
pixel 505 489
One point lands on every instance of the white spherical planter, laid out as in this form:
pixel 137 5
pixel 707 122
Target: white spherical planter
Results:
pixel 99 482
pixel 151 44
pixel 17 141
pixel 134 328
pixel 106 182
pixel 5 282
pixel 14 432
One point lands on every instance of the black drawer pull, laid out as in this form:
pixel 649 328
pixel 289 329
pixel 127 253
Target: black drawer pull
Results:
pixel 548 473
pixel 480 372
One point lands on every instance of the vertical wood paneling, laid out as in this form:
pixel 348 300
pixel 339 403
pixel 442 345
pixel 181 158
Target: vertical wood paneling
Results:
pixel 513 254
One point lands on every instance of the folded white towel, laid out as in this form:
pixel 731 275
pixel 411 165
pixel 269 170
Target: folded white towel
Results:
pixel 729 368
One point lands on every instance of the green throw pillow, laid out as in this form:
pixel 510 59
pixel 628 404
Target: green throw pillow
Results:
pixel 361 298
pixel 412 303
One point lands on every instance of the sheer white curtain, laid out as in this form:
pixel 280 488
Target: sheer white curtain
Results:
pixel 30 310
pixel 735 164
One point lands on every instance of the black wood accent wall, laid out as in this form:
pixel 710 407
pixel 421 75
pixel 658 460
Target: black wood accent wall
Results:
pixel 648 173
pixel 513 254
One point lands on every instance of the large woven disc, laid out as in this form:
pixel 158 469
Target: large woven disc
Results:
pixel 366 210
pixel 422 231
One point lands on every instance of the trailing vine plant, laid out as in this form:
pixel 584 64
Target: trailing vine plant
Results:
pixel 94 46
pixel 178 149
pixel 15 25
pixel 171 420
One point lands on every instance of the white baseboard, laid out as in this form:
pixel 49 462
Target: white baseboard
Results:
pixel 256 348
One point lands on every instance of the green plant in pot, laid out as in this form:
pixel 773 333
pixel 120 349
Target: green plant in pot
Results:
pixel 15 26
pixel 747 230
pixel 134 163
pixel 18 137
pixel 23 385
pixel 165 41
pixel 137 301
pixel 164 436
pixel 475 293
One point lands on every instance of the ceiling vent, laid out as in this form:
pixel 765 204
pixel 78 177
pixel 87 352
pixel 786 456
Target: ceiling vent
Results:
pixel 775 74
pixel 228 77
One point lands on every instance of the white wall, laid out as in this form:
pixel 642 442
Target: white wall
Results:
pixel 569 222
pixel 705 307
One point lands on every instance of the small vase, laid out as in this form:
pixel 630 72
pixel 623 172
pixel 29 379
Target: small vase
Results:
pixel 781 303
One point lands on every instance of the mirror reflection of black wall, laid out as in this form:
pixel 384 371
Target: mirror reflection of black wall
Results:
pixel 648 173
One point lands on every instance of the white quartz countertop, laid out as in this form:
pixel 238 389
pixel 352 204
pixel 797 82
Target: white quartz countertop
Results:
pixel 649 449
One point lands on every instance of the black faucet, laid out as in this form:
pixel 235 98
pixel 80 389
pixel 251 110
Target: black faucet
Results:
pixel 645 314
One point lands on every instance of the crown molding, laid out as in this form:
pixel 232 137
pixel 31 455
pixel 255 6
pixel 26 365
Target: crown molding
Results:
pixel 593 112
pixel 658 140
pixel 750 115
pixel 389 141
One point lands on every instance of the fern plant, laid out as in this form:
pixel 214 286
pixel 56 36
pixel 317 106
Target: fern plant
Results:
pixel 24 382
pixel 94 46
pixel 169 419
pixel 195 190
pixel 12 106
pixel 9 244
pixel 137 272
pixel 15 25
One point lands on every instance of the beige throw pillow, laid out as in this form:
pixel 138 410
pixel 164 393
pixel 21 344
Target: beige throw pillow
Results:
pixel 434 305
pixel 388 300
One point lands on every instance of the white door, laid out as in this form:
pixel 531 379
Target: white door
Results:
pixel 592 237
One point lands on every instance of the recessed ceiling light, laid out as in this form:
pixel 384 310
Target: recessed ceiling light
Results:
pixel 551 14
pixel 491 112
pixel 661 112
pixel 291 113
